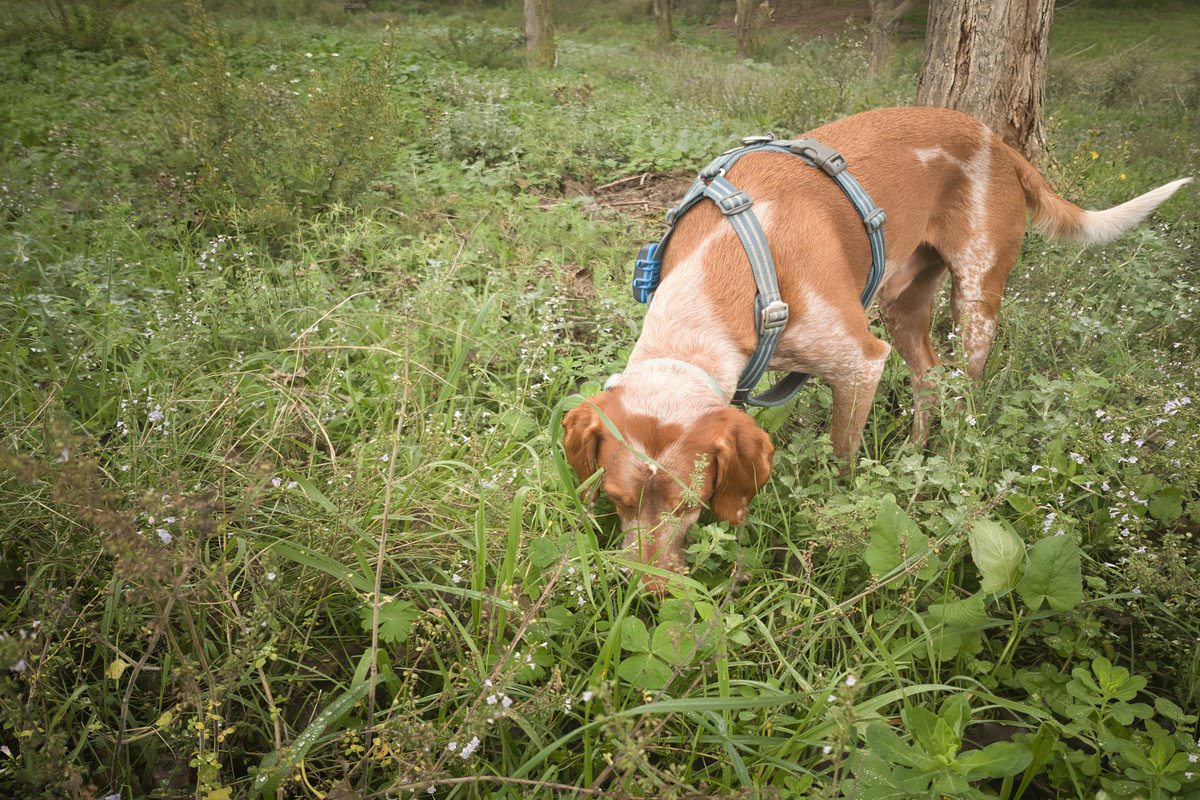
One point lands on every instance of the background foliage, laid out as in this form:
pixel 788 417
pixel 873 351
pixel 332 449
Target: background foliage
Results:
pixel 293 299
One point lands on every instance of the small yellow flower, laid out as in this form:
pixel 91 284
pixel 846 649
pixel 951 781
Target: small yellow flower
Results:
pixel 1122 176
pixel 1095 155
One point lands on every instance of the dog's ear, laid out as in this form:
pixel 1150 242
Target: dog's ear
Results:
pixel 582 429
pixel 743 461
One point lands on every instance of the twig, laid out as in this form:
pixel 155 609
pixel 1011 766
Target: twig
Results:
pixel 646 203
pixel 559 787
pixel 641 178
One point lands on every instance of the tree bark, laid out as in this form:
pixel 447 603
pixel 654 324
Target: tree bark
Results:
pixel 743 18
pixel 988 58
pixel 662 18
pixel 538 27
pixel 885 18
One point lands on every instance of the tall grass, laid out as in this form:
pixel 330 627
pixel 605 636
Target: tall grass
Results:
pixel 285 514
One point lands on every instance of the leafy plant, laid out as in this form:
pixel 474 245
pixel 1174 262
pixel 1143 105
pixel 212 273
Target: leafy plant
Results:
pixel 83 24
pixel 934 763
pixel 482 48
pixel 265 155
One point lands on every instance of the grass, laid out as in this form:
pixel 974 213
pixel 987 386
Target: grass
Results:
pixel 284 513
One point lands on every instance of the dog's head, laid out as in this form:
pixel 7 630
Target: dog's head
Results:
pixel 659 472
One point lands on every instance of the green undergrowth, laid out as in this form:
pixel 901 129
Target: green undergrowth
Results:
pixel 293 302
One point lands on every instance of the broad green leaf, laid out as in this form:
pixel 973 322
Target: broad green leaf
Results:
pixel 676 610
pixel 1161 752
pixel 931 732
pixel 956 710
pixel 880 779
pixel 1054 576
pixel 543 552
pixel 998 553
pixel 956 626
pixel 674 642
pixel 634 636
pixel 886 743
pixel 1079 690
pixel 645 670
pixel 1167 505
pixel 558 618
pixel 1171 711
pixel 1083 676
pixel 396 618
pixel 952 784
pixel 894 539
pixel 997 760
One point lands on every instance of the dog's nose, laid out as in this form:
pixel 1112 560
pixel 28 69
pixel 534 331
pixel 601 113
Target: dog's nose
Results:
pixel 657 546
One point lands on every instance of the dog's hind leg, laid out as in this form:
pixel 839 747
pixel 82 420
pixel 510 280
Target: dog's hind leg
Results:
pixel 906 303
pixel 979 274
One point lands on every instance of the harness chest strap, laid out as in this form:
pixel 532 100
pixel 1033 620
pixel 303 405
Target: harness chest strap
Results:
pixel 771 313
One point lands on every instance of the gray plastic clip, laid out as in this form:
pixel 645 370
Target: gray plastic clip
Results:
pixel 762 138
pixel 821 155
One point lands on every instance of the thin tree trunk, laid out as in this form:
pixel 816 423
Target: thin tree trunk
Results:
pixel 538 26
pixel 988 58
pixel 662 18
pixel 743 18
pixel 885 18
pixel 529 24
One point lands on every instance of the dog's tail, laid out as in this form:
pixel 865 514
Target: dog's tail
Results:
pixel 1061 219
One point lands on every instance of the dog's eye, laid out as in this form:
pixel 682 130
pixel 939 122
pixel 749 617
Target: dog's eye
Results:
pixel 620 497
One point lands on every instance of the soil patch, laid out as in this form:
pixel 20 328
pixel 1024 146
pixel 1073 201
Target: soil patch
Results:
pixel 644 194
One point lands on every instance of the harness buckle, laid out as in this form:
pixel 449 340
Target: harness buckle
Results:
pixel 874 221
pixel 772 316
pixel 822 155
pixel 760 138
pixel 734 204
pixel 646 271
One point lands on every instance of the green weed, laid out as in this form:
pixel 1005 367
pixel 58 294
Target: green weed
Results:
pixel 284 511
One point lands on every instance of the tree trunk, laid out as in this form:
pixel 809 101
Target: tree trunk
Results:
pixel 538 26
pixel 662 18
pixel 885 18
pixel 988 58
pixel 743 18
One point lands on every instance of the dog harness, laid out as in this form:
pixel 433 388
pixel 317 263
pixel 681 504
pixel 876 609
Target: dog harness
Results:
pixel 770 312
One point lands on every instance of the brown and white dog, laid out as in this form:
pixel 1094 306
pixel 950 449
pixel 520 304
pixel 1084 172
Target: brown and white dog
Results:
pixel 956 198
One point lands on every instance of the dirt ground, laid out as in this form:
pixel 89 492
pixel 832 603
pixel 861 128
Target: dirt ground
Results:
pixel 644 194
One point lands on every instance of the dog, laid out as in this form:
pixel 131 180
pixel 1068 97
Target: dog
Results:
pixel 956 198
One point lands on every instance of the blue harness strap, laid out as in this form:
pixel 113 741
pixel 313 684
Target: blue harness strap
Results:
pixel 770 313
